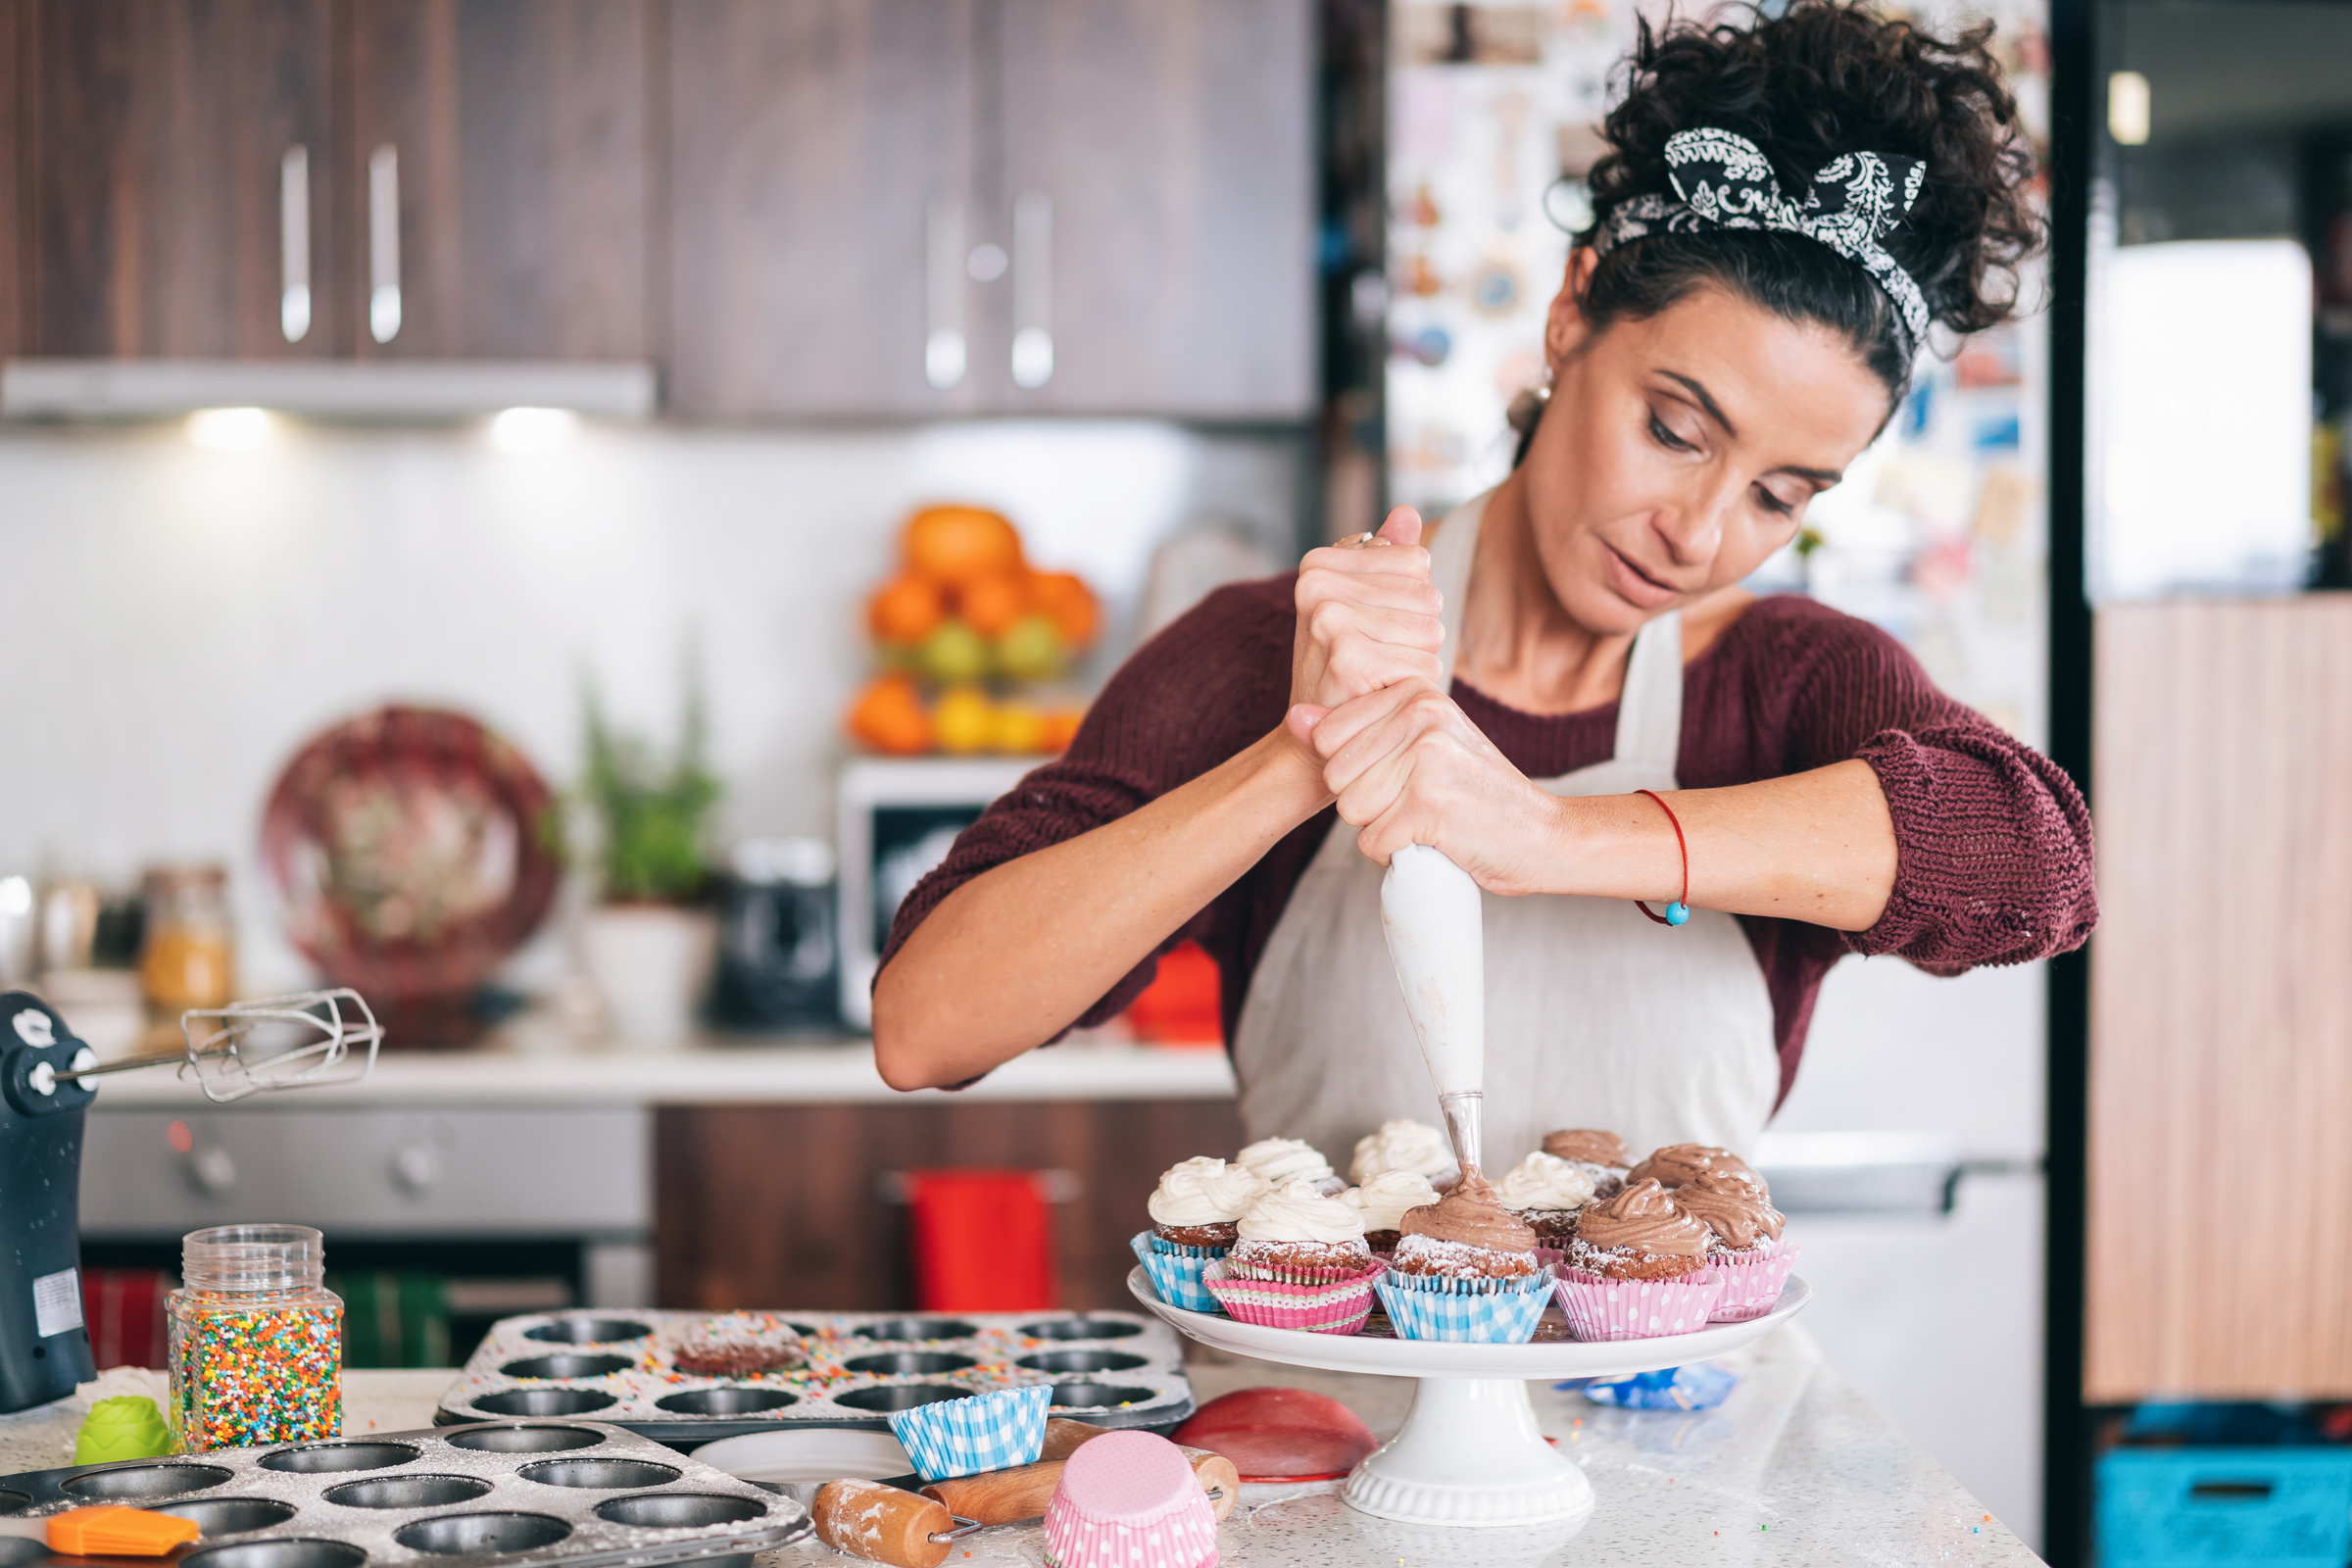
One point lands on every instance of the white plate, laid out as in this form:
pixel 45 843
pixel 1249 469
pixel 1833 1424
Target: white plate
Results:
pixel 1431 1358
pixel 811 1454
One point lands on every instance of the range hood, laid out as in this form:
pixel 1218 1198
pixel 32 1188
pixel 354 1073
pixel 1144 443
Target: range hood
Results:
pixel 422 390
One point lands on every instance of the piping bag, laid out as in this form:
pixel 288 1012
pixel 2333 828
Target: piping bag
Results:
pixel 1430 911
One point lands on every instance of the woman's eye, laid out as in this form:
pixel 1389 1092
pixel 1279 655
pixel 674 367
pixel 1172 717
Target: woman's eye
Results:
pixel 1774 504
pixel 1667 438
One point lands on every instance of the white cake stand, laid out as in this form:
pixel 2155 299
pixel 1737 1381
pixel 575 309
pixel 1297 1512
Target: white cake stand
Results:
pixel 1470 1451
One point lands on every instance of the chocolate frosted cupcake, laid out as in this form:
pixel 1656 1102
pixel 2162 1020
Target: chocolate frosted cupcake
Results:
pixel 1293 1232
pixel 1740 1214
pixel 1467 1235
pixel 1546 1192
pixel 1275 1160
pixel 1639 1235
pixel 1602 1155
pixel 1406 1146
pixel 1677 1163
pixel 1198 1204
pixel 1382 1200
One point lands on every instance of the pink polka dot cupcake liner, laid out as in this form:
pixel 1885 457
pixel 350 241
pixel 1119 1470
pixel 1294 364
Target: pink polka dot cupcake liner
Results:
pixel 1323 1306
pixel 1598 1309
pixel 1751 1286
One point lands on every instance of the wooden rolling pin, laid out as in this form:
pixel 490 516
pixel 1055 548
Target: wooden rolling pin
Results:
pixel 1001 1497
pixel 882 1523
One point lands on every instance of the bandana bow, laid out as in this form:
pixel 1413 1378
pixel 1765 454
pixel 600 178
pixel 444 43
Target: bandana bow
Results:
pixel 1723 180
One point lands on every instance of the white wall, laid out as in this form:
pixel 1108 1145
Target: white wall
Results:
pixel 178 620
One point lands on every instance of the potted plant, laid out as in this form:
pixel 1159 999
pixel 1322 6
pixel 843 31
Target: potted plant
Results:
pixel 649 943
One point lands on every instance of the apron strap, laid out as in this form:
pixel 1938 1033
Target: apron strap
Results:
pixel 1650 710
pixel 1449 571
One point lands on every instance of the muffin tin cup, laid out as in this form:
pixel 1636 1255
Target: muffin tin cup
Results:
pixel 1437 1307
pixel 1599 1310
pixel 1176 1271
pixel 519 1495
pixel 857 1369
pixel 1330 1306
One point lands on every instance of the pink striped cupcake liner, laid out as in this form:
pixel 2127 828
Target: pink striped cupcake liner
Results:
pixel 1598 1309
pixel 1751 1286
pixel 1240 1270
pixel 1324 1306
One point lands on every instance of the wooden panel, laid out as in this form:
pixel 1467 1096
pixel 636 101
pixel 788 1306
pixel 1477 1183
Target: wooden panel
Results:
pixel 1174 139
pixel 2221 1170
pixel 807 141
pixel 776 1205
pixel 17 83
pixel 522 128
pixel 157 134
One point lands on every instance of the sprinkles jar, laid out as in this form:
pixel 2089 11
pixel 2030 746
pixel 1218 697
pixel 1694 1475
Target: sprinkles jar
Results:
pixel 255 1338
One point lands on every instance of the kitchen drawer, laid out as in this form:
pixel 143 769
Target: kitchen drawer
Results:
pixel 161 1173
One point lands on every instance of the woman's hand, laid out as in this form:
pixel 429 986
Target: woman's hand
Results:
pixel 1367 616
pixel 1409 768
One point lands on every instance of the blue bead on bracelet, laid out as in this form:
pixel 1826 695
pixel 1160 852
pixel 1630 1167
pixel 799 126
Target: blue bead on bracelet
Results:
pixel 1679 912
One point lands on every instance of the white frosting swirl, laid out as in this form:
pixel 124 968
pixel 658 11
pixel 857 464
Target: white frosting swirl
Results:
pixel 1202 1191
pixel 1275 1160
pixel 1384 1197
pixel 1402 1144
pixel 1543 1181
pixel 1296 1211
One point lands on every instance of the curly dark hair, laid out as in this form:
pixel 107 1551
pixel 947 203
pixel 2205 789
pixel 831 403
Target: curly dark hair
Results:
pixel 1821 79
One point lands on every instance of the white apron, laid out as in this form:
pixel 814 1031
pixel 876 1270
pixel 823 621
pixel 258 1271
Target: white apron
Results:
pixel 1595 1017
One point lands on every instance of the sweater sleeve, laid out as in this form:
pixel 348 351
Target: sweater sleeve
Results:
pixel 1994 841
pixel 1204 688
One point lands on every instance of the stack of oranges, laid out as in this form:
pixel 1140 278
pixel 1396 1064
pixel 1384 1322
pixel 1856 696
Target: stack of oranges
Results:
pixel 965 614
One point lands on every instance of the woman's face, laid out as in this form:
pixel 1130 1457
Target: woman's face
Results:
pixel 1680 451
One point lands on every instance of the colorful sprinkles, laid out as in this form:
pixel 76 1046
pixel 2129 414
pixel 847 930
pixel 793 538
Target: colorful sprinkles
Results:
pixel 244 1375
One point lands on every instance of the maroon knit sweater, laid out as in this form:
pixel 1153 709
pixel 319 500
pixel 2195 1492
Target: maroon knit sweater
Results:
pixel 1994 841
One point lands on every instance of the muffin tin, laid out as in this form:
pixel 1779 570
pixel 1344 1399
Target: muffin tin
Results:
pixel 515 1493
pixel 1113 1369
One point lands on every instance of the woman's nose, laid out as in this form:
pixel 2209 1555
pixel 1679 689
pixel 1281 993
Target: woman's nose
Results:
pixel 1692 528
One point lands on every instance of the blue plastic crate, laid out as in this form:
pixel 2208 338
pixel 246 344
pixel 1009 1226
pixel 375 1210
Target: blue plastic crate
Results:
pixel 2179 1507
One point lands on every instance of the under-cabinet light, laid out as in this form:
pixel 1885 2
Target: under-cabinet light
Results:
pixel 230 429
pixel 532 430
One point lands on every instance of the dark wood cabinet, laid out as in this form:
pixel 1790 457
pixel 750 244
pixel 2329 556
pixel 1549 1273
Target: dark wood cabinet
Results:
pixel 759 1205
pixel 154 135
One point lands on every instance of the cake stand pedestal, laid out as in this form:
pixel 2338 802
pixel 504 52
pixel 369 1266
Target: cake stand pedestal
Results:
pixel 1470 1451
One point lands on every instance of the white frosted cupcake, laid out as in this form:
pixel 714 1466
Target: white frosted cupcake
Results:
pixel 1198 1204
pixel 1275 1160
pixel 1546 1192
pixel 1382 1200
pixel 1403 1145
pixel 1299 1233
pixel 1601 1155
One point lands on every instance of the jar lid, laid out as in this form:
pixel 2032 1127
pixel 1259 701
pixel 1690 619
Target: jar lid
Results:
pixel 252 1257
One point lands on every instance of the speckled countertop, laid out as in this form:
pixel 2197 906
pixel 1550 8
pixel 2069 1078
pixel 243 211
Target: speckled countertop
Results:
pixel 1794 1468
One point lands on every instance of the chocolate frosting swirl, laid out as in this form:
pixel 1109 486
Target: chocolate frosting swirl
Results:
pixel 1644 1219
pixel 1677 1163
pixel 1589 1144
pixel 1472 1214
pixel 1735 1210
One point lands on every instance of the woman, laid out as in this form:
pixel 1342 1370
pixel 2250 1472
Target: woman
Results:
pixel 1786 209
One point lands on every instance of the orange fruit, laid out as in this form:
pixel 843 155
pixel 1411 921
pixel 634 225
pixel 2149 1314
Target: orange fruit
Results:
pixel 906 609
pixel 957 544
pixel 1060 727
pixel 993 601
pixel 968 720
pixel 1069 603
pixel 1020 730
pixel 889 716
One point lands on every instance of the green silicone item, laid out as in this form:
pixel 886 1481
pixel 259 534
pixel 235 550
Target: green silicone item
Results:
pixel 126 1427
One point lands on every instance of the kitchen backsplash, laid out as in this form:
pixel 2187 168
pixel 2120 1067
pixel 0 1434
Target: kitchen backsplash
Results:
pixel 179 619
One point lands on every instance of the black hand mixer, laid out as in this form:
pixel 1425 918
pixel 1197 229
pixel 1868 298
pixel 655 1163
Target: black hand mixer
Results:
pixel 246 1049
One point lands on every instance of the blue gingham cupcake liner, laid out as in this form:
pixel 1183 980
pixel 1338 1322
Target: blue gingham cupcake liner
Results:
pixel 1176 1271
pixel 986 1431
pixel 1436 1307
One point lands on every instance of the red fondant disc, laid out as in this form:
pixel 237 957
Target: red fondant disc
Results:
pixel 1280 1434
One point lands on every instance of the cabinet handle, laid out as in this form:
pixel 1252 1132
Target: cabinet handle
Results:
pixel 942 292
pixel 1032 290
pixel 294 243
pixel 383 243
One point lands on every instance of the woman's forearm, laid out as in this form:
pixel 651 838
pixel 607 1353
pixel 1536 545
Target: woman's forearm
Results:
pixel 1008 959
pixel 1817 846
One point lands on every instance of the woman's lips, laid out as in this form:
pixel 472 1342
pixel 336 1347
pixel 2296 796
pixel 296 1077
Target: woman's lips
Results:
pixel 1635 585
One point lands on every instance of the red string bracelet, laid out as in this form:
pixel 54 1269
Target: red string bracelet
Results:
pixel 1679 912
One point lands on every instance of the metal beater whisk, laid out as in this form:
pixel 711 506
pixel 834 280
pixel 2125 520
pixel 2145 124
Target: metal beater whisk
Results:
pixel 291 1042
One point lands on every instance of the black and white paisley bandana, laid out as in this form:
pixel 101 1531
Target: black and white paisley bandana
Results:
pixel 1723 180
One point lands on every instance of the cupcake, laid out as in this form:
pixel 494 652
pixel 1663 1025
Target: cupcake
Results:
pixel 1275 1160
pixel 1200 1201
pixel 1677 1163
pixel 1383 1198
pixel 1637 1269
pixel 739 1344
pixel 1403 1145
pixel 1747 1249
pixel 1296 1232
pixel 1546 1192
pixel 1602 1155
pixel 1466 1235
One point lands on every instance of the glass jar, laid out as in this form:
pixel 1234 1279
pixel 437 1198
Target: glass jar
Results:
pixel 187 958
pixel 255 1338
